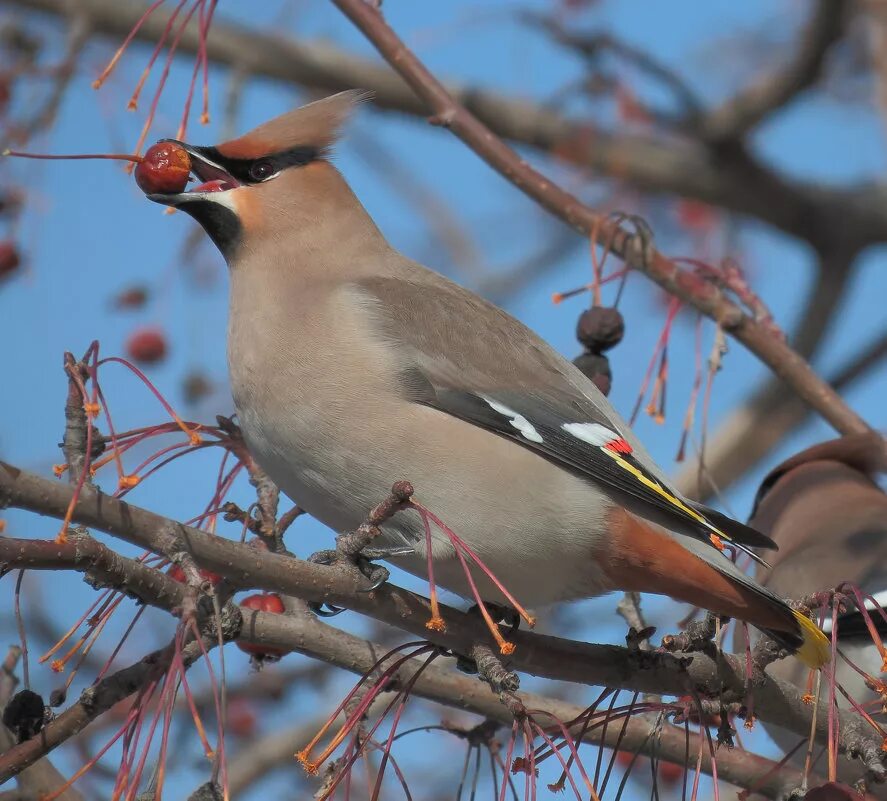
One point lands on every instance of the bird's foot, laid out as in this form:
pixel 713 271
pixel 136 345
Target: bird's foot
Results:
pixel 364 562
pixel 321 608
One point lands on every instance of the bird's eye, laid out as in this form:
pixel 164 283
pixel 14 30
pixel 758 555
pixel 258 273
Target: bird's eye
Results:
pixel 261 170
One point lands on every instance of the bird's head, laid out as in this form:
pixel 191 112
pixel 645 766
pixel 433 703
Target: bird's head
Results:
pixel 264 178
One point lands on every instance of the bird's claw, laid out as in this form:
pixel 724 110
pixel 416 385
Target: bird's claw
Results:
pixel 377 574
pixel 322 609
pixel 388 552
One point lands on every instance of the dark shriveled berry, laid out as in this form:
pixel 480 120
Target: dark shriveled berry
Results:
pixel 596 367
pixel 600 328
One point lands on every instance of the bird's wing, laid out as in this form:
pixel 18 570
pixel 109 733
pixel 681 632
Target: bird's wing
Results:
pixel 465 357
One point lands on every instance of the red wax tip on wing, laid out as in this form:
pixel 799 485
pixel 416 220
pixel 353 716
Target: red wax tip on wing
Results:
pixel 619 446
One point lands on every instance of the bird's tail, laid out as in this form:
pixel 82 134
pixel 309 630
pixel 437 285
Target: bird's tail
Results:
pixel 771 614
pixel 688 569
pixel 809 643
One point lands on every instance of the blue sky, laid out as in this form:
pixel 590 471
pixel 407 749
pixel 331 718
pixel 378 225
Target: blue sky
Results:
pixel 89 233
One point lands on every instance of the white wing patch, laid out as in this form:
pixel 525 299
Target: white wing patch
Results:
pixel 592 433
pixel 518 421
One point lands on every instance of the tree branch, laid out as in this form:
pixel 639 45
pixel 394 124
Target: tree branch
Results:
pixel 42 778
pixel 751 432
pixel 537 654
pixel 452 688
pixel 663 164
pixel 634 249
pixel 738 115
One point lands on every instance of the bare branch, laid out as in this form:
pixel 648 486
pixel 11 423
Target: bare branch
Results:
pixel 772 92
pixel 648 163
pixel 539 655
pixel 752 431
pixel 42 778
pixel 634 249
pixel 452 688
pixel 591 45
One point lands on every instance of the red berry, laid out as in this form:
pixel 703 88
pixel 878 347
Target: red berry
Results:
pixel 176 573
pixel 9 258
pixel 241 718
pixel 624 758
pixel 146 345
pixel 164 169
pixel 262 602
pixel 132 298
pixel 670 773
pixel 696 216
pixel 5 92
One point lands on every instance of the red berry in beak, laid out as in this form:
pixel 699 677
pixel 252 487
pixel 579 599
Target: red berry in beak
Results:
pixel 164 169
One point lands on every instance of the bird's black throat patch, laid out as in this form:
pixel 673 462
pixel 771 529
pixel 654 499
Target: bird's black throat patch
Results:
pixel 220 223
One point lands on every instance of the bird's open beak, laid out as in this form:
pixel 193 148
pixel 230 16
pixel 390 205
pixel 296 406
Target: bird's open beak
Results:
pixel 211 177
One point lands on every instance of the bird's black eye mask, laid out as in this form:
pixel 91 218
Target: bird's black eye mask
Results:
pixel 256 171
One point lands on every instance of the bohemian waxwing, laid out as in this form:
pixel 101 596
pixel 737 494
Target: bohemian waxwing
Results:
pixel 829 517
pixel 352 367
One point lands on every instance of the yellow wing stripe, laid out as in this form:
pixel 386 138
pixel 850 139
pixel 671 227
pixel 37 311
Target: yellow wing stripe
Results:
pixel 657 487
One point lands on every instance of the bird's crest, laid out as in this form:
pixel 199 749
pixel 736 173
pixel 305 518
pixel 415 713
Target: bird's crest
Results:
pixel 316 125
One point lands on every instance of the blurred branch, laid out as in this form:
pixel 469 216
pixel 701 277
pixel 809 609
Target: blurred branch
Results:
pixel 658 164
pixel 540 655
pixel 751 432
pixel 772 415
pixel 634 248
pixel 507 282
pixel 591 46
pixel 734 118
pixel 63 73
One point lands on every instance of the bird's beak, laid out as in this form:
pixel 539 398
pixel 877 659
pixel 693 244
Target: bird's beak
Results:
pixel 212 178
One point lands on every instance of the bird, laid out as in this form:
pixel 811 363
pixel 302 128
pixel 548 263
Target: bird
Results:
pixel 352 366
pixel 825 510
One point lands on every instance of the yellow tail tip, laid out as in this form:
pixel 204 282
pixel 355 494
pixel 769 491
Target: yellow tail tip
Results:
pixel 815 649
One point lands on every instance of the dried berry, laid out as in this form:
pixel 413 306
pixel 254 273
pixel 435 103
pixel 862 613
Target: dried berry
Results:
pixel 146 345
pixel 24 715
pixel 600 328
pixel 9 258
pixel 196 386
pixel 262 602
pixel 596 367
pixel 164 169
